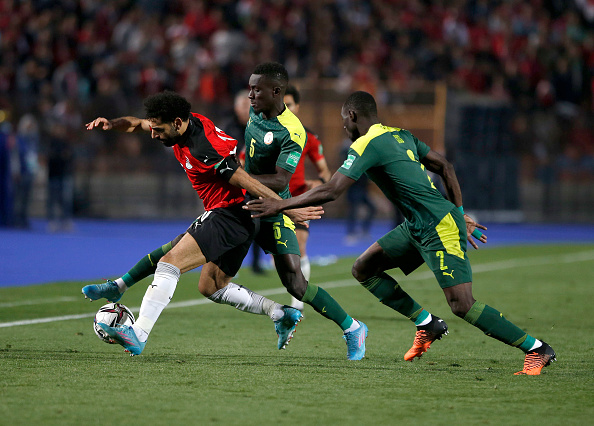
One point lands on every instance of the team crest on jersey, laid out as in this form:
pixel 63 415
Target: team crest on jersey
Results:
pixel 268 138
pixel 348 162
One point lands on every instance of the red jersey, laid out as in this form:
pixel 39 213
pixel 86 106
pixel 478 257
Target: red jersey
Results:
pixel 313 150
pixel 206 146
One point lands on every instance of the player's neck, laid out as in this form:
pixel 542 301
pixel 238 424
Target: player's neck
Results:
pixel 365 124
pixel 182 139
pixel 275 111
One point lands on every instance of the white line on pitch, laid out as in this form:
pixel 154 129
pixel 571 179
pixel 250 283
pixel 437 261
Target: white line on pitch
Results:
pixel 38 301
pixel 480 268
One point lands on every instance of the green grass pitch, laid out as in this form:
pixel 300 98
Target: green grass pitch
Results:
pixel 211 364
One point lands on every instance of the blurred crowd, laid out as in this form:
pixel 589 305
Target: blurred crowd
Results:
pixel 63 62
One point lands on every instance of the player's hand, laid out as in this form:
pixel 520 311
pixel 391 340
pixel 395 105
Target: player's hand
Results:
pixel 304 214
pixel 100 121
pixel 472 230
pixel 263 207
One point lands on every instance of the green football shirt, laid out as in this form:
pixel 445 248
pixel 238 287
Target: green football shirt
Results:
pixel 391 158
pixel 278 141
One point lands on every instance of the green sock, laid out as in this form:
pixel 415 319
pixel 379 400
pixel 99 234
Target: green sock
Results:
pixel 492 322
pixel 322 302
pixel 389 292
pixel 145 266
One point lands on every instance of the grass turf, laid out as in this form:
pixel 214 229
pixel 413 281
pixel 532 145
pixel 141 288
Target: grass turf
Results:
pixel 210 364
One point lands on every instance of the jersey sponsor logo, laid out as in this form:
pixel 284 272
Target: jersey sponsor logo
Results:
pixel 297 134
pixel 348 162
pixel 284 243
pixel 268 138
pixel 293 158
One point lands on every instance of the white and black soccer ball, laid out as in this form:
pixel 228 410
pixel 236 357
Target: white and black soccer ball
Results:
pixel 112 314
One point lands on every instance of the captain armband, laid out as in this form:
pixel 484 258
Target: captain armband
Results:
pixel 227 167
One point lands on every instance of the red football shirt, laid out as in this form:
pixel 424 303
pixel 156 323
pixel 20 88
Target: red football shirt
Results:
pixel 313 150
pixel 206 146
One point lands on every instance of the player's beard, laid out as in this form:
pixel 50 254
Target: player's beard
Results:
pixel 353 134
pixel 173 138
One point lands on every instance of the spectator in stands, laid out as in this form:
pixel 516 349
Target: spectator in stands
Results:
pixel 27 145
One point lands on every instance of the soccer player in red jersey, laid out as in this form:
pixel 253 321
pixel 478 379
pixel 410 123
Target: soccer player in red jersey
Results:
pixel 298 184
pixel 219 239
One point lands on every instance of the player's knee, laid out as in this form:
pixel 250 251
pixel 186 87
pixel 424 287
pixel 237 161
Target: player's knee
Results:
pixel 360 272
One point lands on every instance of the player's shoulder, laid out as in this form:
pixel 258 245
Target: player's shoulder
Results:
pixel 374 133
pixel 293 125
pixel 199 118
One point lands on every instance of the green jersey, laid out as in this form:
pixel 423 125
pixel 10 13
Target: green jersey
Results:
pixel 391 158
pixel 278 141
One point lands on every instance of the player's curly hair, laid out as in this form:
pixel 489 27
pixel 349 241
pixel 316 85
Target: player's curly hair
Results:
pixel 361 102
pixel 273 71
pixel 167 106
pixel 292 90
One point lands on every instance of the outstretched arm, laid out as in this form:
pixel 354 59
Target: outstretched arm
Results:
pixel 276 181
pixel 439 164
pixel 243 180
pixel 121 124
pixel 329 191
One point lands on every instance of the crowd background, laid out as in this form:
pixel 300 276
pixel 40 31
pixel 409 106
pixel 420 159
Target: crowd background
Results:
pixel 63 63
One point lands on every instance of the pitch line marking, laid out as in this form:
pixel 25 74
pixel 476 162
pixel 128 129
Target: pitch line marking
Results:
pixel 38 302
pixel 480 268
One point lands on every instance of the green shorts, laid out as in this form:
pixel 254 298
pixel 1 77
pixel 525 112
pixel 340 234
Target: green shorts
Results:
pixel 278 237
pixel 442 248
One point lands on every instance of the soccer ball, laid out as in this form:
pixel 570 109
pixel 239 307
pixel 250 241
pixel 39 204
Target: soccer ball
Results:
pixel 112 314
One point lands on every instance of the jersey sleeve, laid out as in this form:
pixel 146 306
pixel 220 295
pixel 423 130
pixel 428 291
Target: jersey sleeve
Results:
pixel 356 164
pixel 290 151
pixel 227 167
pixel 422 148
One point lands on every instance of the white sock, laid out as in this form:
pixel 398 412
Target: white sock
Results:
pixel 537 344
pixel 121 285
pixel 306 270
pixel 157 296
pixel 355 325
pixel 426 321
pixel 305 267
pixel 246 300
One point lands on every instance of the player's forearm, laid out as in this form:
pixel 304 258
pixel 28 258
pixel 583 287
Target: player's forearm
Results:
pixel 275 182
pixel 243 180
pixel 451 184
pixel 128 124
pixel 314 197
pixel 323 171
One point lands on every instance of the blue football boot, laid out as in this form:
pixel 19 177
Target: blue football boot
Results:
pixel 125 336
pixel 108 290
pixel 355 341
pixel 285 327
